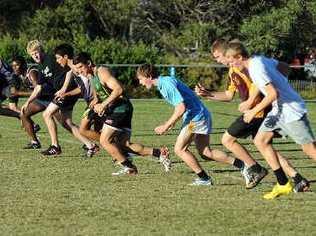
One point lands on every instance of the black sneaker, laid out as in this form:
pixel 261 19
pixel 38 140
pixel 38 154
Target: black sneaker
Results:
pixel 91 151
pixel 32 145
pixel 36 128
pixel 256 177
pixel 52 151
pixel 84 147
pixel 302 186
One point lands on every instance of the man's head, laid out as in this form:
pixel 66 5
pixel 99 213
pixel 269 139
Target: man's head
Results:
pixel 63 53
pixel 236 54
pixel 35 50
pixel 218 50
pixel 145 74
pixel 19 65
pixel 83 64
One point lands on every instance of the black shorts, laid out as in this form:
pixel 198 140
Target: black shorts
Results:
pixel 119 116
pixel 240 129
pixel 66 103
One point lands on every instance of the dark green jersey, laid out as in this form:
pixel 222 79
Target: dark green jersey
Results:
pixel 52 71
pixel 102 92
pixel 120 105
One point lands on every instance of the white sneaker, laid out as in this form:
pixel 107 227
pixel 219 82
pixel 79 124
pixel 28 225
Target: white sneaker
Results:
pixel 245 174
pixel 126 171
pixel 200 182
pixel 164 158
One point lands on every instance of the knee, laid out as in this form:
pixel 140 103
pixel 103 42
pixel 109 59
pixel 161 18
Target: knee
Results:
pixel 105 143
pixel 82 130
pixel 309 149
pixel 260 142
pixel 178 150
pixel 46 115
pixel 227 140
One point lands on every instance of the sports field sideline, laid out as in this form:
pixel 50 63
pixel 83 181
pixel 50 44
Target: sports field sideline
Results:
pixel 70 195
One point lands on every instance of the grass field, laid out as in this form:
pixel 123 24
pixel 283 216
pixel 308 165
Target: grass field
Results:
pixel 69 195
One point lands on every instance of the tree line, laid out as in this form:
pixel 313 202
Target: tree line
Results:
pixel 159 31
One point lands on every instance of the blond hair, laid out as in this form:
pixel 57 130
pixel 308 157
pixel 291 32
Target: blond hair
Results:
pixel 236 48
pixel 219 45
pixel 34 45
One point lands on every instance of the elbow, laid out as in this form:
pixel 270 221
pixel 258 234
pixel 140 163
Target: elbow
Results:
pixel 119 91
pixel 273 96
pixel 181 109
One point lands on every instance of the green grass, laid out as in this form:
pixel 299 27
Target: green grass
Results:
pixel 72 196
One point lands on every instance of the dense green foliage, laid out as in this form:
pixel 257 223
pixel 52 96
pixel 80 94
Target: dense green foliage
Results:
pixel 68 195
pixel 160 31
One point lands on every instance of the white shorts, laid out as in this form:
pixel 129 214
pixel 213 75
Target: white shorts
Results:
pixel 300 130
pixel 198 127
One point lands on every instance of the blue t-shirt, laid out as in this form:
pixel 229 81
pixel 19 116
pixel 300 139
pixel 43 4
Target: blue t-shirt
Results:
pixel 176 92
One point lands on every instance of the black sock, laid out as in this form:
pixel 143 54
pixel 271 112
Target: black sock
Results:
pixel 297 178
pixel 156 152
pixel 203 175
pixel 281 177
pixel 127 163
pixel 238 163
pixel 255 168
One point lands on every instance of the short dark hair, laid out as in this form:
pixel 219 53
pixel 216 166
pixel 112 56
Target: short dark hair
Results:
pixel 148 70
pixel 21 61
pixel 82 57
pixel 65 49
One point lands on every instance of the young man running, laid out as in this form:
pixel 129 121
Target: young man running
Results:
pixel 115 110
pixel 9 84
pixel 51 74
pixel 196 125
pixel 240 82
pixel 64 101
pixel 288 115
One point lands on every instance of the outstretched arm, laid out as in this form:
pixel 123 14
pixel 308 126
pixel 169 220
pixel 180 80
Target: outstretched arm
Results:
pixel 177 114
pixel 224 96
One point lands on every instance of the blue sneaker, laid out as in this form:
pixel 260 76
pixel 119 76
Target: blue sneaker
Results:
pixel 199 181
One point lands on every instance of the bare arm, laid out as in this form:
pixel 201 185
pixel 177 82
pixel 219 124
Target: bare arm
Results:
pixel 224 96
pixel 117 90
pixel 63 89
pixel 271 96
pixel 253 96
pixel 177 114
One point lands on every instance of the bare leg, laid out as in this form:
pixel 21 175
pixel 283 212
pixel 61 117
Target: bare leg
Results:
pixel 106 140
pixel 181 149
pixel 85 130
pixel 310 150
pixel 286 165
pixel 263 143
pixel 136 148
pixel 8 112
pixel 237 149
pixel 202 145
pixel 27 122
pixel 67 116
pixel 50 122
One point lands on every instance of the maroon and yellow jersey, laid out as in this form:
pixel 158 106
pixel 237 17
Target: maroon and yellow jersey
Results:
pixel 240 82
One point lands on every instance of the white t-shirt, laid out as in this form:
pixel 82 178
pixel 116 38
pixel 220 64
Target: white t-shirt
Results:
pixel 289 105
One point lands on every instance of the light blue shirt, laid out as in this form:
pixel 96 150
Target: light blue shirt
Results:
pixel 289 105
pixel 176 92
